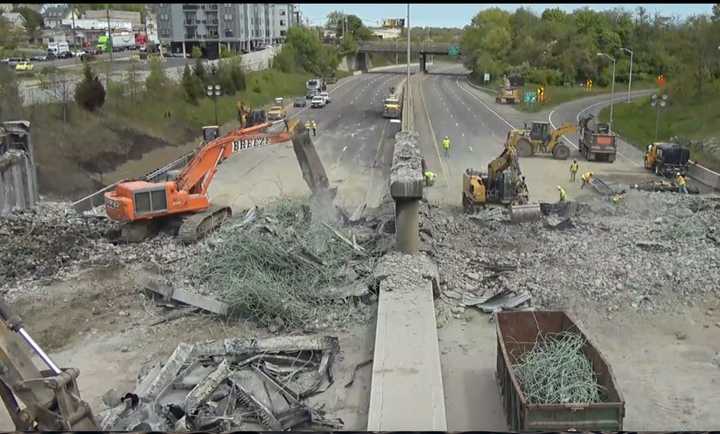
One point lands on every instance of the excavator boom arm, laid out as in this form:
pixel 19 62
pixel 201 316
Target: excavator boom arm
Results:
pixel 199 172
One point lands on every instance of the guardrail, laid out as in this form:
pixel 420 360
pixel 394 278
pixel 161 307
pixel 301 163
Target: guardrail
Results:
pixel 407 121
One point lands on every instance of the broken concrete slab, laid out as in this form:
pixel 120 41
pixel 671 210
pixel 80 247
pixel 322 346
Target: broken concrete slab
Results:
pixel 200 301
pixel 232 384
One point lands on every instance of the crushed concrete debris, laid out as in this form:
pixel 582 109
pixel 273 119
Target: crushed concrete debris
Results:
pixel 650 252
pixel 53 242
pixel 233 384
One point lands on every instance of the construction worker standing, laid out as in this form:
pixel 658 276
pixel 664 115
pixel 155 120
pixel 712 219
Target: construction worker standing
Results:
pixel 563 194
pixel 574 167
pixel 446 146
pixel 681 183
pixel 586 179
pixel 314 127
pixel 429 178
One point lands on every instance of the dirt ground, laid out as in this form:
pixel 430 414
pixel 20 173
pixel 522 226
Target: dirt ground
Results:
pixel 101 322
pixel 662 364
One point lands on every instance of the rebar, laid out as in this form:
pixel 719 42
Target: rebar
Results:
pixel 556 371
pixel 277 270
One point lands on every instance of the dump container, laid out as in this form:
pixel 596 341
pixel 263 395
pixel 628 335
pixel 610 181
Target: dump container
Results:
pixel 517 333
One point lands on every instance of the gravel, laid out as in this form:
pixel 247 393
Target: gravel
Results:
pixel 651 251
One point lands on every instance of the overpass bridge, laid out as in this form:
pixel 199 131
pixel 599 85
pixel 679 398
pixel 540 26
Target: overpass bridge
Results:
pixel 423 50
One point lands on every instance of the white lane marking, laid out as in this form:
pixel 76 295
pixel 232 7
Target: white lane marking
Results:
pixel 483 103
pixel 434 138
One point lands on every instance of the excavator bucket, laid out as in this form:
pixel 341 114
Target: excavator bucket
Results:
pixel 525 213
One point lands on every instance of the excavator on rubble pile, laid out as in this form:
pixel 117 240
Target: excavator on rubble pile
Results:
pixel 502 184
pixel 183 203
pixel 35 399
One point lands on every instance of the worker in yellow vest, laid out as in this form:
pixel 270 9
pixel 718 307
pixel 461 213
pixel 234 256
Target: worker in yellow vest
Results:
pixel 563 194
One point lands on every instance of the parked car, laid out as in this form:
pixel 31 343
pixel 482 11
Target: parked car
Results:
pixel 15 60
pixel 317 102
pixel 39 58
pixel 326 96
pixel 300 102
pixel 65 55
pixel 276 113
pixel 24 66
pixel 79 53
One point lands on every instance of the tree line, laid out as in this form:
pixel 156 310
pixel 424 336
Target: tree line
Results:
pixel 560 48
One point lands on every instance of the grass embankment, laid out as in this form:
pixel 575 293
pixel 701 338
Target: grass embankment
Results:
pixel 697 119
pixel 73 156
pixel 556 95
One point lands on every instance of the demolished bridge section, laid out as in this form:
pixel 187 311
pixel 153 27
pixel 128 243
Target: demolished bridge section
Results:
pixel 18 174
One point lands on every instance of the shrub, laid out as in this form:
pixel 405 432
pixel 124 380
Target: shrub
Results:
pixel 90 93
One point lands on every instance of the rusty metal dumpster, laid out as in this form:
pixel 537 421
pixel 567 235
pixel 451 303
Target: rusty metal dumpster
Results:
pixel 517 333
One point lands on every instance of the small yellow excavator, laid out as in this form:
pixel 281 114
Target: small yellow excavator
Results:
pixel 37 398
pixel 502 184
pixel 540 138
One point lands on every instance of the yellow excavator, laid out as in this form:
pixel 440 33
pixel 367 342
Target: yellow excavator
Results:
pixel 502 184
pixel 540 138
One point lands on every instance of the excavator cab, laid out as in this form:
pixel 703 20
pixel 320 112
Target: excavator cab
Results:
pixel 211 133
pixel 540 131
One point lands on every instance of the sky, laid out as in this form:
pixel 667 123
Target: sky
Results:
pixel 459 15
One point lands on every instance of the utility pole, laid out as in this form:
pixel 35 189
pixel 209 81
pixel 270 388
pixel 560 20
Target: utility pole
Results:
pixel 72 15
pixel 109 44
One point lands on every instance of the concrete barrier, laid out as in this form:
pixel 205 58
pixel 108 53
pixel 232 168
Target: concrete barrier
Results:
pixel 704 175
pixel 406 391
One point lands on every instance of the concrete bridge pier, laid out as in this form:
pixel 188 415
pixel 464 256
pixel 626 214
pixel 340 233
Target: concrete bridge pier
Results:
pixel 406 188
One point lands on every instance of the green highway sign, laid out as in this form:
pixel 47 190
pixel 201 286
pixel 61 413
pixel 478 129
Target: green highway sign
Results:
pixel 453 51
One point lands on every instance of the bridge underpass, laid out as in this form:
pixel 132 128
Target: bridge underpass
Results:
pixel 421 52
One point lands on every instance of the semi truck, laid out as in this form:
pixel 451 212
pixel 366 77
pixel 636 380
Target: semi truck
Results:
pixel 118 41
pixel 392 105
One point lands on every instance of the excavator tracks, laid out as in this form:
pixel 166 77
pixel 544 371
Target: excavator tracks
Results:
pixel 198 225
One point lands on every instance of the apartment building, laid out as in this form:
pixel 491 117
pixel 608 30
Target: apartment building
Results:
pixel 236 26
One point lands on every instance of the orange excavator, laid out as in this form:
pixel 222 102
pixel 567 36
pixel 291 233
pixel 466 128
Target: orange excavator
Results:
pixel 183 204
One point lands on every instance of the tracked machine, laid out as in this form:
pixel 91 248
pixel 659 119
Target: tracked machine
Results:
pixel 182 204
pixel 502 184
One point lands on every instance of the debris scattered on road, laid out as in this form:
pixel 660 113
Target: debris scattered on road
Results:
pixel 233 384
pixel 283 269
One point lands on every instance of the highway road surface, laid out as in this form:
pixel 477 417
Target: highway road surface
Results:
pixel 354 142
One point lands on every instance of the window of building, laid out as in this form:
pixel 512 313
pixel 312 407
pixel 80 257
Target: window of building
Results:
pixel 283 32
pixel 228 33
pixel 282 22
pixel 282 12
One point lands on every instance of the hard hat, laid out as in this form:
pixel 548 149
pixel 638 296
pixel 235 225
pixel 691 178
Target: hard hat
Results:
pixel 559 188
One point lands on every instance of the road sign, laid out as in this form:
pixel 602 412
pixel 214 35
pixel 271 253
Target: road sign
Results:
pixel 487 77
pixel 453 51
pixel 529 97
pixel 660 80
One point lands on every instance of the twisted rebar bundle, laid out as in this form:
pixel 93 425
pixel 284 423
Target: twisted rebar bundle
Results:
pixel 556 371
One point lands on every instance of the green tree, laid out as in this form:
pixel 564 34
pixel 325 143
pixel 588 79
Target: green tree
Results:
pixel 157 81
pixel 90 93
pixel 192 88
pixel 12 103
pixel 199 70
pixel 33 22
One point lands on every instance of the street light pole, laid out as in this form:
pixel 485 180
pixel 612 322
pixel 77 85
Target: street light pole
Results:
pixel 630 79
pixel 612 88
pixel 214 92
pixel 408 46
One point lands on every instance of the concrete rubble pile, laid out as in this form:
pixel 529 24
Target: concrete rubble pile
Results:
pixel 52 241
pixel 650 252
pixel 232 384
